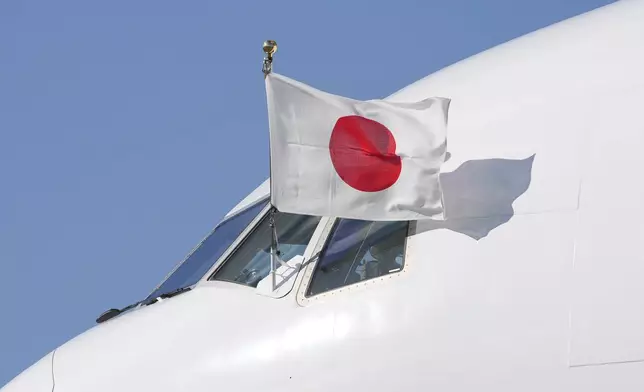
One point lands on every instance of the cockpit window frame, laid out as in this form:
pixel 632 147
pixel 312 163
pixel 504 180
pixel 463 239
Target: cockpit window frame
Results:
pixel 305 278
pixel 238 241
pixel 208 278
pixel 242 234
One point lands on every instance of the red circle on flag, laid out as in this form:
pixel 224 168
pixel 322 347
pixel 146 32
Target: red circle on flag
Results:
pixel 363 152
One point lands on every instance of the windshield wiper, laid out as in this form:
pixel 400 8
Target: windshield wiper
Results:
pixel 168 294
pixel 111 313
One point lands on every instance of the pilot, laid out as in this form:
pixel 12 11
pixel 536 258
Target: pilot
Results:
pixel 387 256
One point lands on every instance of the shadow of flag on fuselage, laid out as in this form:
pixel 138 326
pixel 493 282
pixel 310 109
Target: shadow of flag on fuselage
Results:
pixel 478 195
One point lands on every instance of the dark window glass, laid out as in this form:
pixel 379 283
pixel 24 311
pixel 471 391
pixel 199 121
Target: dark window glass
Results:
pixel 251 261
pixel 203 258
pixel 359 250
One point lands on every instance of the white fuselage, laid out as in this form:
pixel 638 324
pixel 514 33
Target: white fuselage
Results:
pixel 532 284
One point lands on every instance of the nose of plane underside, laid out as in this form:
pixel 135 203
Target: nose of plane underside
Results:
pixel 194 342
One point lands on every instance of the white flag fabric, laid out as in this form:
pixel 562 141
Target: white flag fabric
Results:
pixel 371 160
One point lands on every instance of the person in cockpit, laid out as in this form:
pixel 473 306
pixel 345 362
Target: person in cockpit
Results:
pixel 360 250
pixel 386 256
pixel 381 258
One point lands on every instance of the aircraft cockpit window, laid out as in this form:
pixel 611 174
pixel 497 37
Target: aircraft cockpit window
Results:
pixel 209 251
pixel 359 250
pixel 251 261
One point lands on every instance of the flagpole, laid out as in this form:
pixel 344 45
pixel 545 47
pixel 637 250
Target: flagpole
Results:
pixel 270 47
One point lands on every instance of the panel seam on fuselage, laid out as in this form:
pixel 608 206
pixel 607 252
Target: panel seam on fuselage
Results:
pixel 607 363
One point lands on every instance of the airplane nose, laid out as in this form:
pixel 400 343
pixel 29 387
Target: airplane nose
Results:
pixel 38 377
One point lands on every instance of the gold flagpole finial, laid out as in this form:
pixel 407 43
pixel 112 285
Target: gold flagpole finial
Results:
pixel 269 47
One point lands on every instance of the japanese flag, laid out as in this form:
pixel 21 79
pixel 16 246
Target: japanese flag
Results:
pixel 370 160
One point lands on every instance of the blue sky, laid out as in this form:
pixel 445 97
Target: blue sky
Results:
pixel 128 129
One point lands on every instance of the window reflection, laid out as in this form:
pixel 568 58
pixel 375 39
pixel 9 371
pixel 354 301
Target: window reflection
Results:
pixel 359 250
pixel 251 261
pixel 204 257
